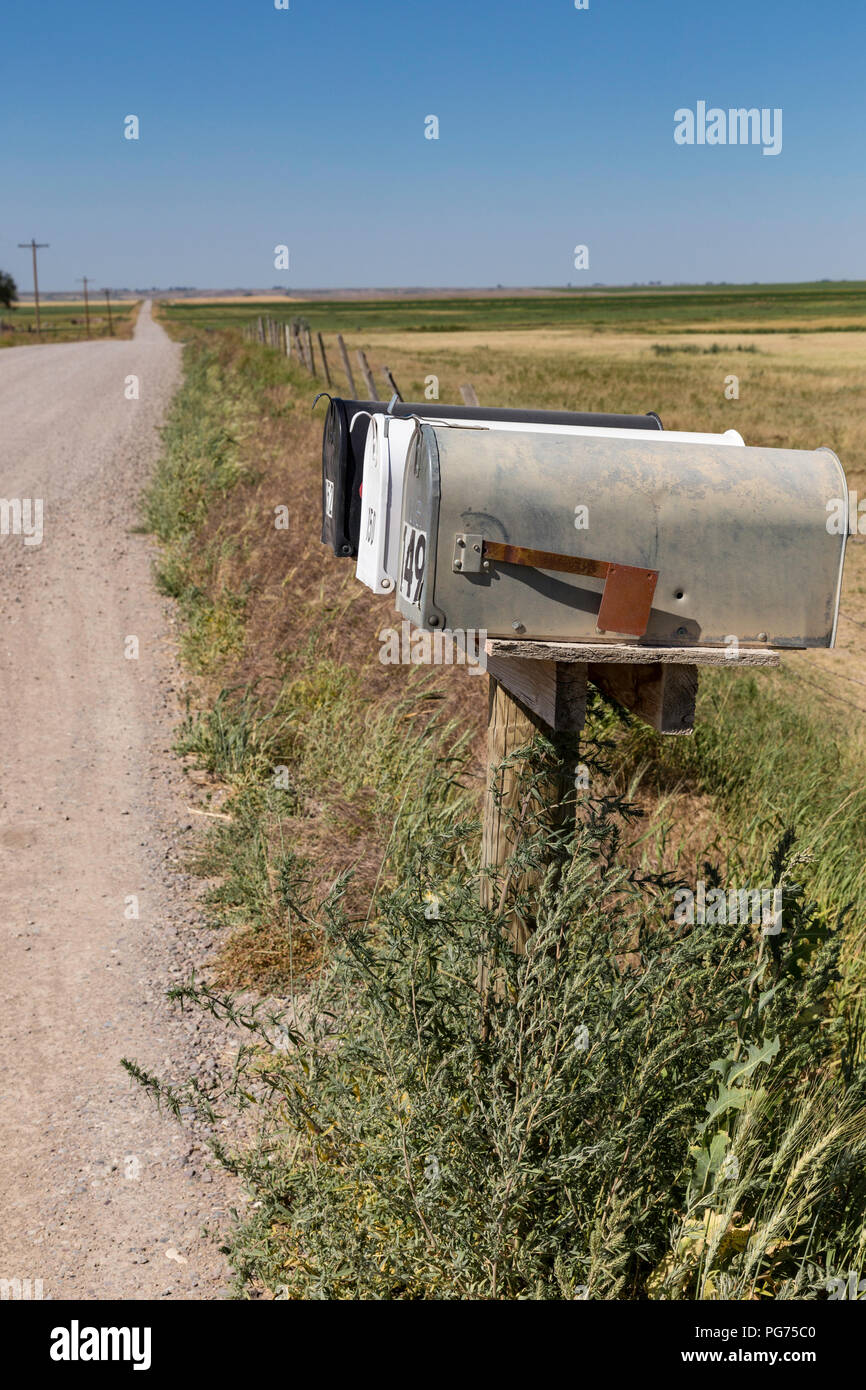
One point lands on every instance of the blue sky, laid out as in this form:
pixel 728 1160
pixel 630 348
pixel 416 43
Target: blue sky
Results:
pixel 305 127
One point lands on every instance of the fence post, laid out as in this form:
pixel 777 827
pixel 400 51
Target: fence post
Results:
pixel 324 359
pixel 367 375
pixel 467 391
pixel 389 377
pixel 302 350
pixel 346 365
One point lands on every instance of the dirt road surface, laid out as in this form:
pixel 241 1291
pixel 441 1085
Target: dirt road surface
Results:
pixel 100 1195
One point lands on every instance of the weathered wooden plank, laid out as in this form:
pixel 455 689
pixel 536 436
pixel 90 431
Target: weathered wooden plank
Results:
pixel 626 653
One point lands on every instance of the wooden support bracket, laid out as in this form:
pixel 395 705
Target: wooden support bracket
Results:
pixel 554 691
pixel 663 696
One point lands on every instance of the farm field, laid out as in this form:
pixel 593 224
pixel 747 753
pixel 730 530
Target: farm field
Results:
pixel 65 322
pixel 687 309
pixel 319 882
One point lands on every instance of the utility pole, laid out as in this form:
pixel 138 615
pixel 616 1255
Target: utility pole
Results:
pixel 108 305
pixel 83 279
pixel 35 246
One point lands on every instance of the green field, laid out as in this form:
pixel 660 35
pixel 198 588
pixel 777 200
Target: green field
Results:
pixel 65 322
pixel 686 309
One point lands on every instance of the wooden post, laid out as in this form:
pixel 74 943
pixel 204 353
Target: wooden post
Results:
pixel 541 686
pixel 552 701
pixel 301 347
pixel 311 353
pixel 346 365
pixel 324 359
pixel 510 813
pixel 389 377
pixel 288 337
pixel 467 391
pixel 367 375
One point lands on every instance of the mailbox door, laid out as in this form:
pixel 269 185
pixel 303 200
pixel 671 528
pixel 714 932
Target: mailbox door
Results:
pixel 342 460
pixel 381 497
pixel 738 536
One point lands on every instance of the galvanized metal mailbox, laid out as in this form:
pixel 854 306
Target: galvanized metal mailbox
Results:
pixel 564 537
pixel 345 436
pixel 388 442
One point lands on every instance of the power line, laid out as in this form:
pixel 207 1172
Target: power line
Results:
pixel 34 247
pixel 83 279
pixel 108 304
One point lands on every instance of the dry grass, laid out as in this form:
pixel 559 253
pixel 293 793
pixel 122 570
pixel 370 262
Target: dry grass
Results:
pixel 303 610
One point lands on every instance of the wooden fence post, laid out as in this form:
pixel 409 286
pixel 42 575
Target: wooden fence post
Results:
pixel 324 359
pixel 311 354
pixel 389 377
pixel 367 375
pixel 346 365
pixel 300 347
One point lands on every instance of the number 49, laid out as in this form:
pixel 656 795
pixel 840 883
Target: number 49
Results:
pixel 413 565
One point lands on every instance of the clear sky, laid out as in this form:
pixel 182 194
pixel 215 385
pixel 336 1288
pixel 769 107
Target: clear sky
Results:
pixel 306 127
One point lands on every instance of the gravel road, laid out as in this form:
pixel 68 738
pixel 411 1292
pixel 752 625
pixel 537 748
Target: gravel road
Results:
pixel 100 1195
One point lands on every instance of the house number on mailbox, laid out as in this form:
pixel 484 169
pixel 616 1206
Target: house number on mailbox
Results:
pixel 414 560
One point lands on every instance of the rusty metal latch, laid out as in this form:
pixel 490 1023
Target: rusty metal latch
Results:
pixel 626 600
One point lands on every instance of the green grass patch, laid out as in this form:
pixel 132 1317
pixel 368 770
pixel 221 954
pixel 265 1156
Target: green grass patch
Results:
pixel 680 308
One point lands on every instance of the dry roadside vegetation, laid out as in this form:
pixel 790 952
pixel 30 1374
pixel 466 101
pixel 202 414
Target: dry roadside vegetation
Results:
pixel 708 1141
